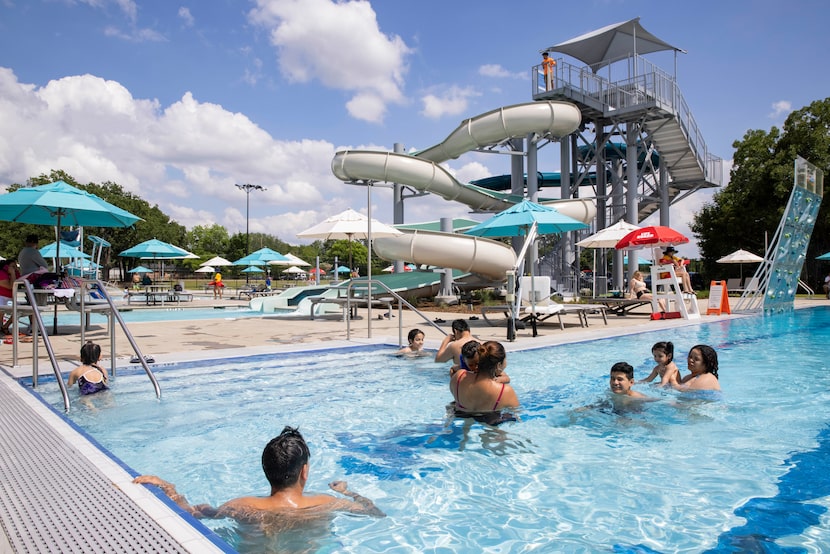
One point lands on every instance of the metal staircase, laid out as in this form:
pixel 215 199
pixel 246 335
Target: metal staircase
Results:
pixel 646 110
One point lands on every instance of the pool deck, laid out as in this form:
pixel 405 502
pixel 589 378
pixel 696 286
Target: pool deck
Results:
pixel 42 458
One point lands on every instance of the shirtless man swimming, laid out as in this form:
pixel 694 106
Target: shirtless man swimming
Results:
pixel 285 463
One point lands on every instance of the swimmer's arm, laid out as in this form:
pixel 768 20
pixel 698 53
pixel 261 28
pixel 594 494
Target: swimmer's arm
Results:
pixel 359 504
pixel 670 377
pixel 651 376
pixel 199 511
pixel 444 353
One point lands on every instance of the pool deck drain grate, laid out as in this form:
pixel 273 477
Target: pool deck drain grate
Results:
pixel 53 499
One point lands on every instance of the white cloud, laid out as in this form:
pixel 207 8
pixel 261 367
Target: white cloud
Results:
pixel 782 107
pixel 496 70
pixel 453 101
pixel 184 157
pixel 135 35
pixel 186 17
pixel 340 45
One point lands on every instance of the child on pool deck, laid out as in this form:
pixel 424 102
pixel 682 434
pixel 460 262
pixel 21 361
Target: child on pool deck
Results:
pixel 416 344
pixel 663 353
pixel 703 364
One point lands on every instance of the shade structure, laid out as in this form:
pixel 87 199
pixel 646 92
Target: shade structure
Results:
pixel 261 257
pixel 343 269
pixel 516 221
pixel 64 251
pixel 348 225
pixel 155 249
pixel 608 237
pixel 655 235
pixel 314 270
pixel 206 269
pixel 741 257
pixel 217 261
pixel 59 204
pixel 253 269
pixel 825 256
pixel 296 261
pixel 140 269
pixel 611 43
pixel 293 270
pixel 640 261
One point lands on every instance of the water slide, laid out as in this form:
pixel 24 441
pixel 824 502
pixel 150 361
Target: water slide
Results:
pixel 422 171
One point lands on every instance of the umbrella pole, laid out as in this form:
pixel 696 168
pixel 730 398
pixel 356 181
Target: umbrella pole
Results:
pixel 58 271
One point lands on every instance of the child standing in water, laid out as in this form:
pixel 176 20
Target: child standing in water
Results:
pixel 416 344
pixel 663 353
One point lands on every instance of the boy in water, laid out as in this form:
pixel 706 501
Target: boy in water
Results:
pixel 621 380
pixel 285 463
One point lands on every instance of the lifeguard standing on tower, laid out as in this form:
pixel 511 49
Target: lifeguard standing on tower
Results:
pixel 548 64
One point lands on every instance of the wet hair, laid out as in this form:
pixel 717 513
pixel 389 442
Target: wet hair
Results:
pixel 32 239
pixel 623 367
pixel 90 353
pixel 460 325
pixel 490 355
pixel 470 352
pixel 544 53
pixel 710 358
pixel 414 333
pixel 283 458
pixel 666 348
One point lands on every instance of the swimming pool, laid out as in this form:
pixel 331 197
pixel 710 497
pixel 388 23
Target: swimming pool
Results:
pixel 169 313
pixel 741 471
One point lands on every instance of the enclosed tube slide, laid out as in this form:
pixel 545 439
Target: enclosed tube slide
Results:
pixel 423 171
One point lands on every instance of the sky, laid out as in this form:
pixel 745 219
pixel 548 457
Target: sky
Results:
pixel 178 101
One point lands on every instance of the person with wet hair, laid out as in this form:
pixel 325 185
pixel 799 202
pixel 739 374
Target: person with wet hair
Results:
pixel 703 364
pixel 285 464
pixel 479 391
pixel 90 376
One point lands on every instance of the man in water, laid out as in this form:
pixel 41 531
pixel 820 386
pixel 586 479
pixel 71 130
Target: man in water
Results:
pixel 621 379
pixel 285 463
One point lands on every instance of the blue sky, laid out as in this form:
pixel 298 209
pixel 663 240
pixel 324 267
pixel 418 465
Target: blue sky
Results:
pixel 179 100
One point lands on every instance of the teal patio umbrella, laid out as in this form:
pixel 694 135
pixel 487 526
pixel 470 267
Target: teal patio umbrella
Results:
pixel 527 219
pixel 263 256
pixel 64 250
pixel 155 249
pixel 253 269
pixel 140 269
pixel 59 204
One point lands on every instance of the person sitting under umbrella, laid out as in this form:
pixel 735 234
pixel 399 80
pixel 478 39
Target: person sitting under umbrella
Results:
pixel 679 264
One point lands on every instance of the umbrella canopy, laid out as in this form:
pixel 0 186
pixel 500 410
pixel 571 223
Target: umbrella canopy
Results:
pixel 66 251
pixel 253 269
pixel 140 269
pixel 655 235
pixel 517 220
pixel 608 237
pixel 740 257
pixel 614 42
pixel 59 204
pixel 343 269
pixel 296 261
pixel 314 270
pixel 216 261
pixel 153 249
pixel 205 269
pixel 388 269
pixel 261 257
pixel 293 269
pixel 825 256
pixel 348 225
pixel 640 261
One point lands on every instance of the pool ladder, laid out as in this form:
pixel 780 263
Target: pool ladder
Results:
pixel 38 329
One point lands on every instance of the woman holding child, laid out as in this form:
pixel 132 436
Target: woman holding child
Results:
pixel 479 391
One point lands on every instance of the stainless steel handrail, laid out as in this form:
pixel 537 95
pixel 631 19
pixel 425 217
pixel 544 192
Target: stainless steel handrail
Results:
pixel 37 325
pixel 401 302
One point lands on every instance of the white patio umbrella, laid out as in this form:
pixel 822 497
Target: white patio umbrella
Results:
pixel 349 225
pixel 606 238
pixel 297 261
pixel 741 257
pixel 217 261
pixel 205 269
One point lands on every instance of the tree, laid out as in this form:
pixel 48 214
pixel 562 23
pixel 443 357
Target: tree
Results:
pixel 759 187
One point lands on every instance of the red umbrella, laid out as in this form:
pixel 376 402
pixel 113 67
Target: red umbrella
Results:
pixel 656 235
pixel 314 270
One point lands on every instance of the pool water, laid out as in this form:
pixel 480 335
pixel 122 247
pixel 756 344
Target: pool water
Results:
pixel 170 313
pixel 743 470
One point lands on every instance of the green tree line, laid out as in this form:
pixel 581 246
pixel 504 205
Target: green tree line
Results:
pixel 205 241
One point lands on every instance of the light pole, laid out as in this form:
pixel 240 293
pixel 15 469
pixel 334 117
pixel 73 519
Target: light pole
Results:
pixel 248 188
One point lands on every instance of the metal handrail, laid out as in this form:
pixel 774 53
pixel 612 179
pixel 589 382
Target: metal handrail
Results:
pixel 401 302
pixel 117 315
pixel 37 325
